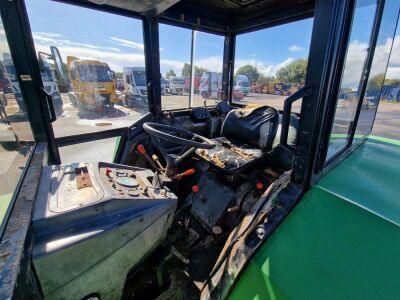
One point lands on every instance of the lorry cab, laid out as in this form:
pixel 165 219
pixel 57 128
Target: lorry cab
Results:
pixel 252 196
pixel 176 85
pixel 210 85
pixel 242 83
pixel 164 85
pixel 92 83
pixel 135 85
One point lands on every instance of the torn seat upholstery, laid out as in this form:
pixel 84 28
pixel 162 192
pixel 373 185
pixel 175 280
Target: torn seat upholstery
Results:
pixel 246 136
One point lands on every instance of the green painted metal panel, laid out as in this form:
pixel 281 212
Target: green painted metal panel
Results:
pixel 338 242
pixel 369 178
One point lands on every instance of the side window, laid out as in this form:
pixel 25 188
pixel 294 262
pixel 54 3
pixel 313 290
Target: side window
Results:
pixel 16 137
pixel 208 57
pixel 271 64
pixel 382 82
pixel 88 52
pixel 127 79
pixel 175 66
pixel 352 76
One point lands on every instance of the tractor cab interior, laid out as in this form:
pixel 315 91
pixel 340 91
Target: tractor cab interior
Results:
pixel 195 187
pixel 187 186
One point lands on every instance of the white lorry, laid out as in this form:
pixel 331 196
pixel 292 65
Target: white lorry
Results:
pixel 210 85
pixel 164 85
pixel 48 80
pixel 135 86
pixel 242 83
pixel 176 85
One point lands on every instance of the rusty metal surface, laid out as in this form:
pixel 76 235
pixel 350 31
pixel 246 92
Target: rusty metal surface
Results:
pixel 82 178
pixel 244 240
pixel 14 238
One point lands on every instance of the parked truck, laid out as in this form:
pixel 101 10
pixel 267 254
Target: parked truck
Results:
pixel 135 86
pixel 49 82
pixel 242 83
pixel 92 82
pixel 211 85
pixel 176 85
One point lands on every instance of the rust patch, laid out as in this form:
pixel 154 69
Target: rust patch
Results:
pixel 82 178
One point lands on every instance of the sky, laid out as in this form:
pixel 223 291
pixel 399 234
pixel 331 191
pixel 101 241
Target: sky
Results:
pixel 118 40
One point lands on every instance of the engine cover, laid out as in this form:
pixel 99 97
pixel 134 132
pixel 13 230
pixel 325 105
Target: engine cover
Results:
pixel 93 222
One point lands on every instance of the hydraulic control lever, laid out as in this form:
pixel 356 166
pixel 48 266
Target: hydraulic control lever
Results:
pixel 142 150
pixel 186 173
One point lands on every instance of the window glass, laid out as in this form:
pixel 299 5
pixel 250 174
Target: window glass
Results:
pixel 271 64
pixel 90 151
pixel 175 52
pixel 357 51
pixel 16 137
pixel 208 60
pixel 86 57
pixel 378 70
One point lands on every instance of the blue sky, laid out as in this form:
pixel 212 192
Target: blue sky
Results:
pixel 118 40
pixel 83 32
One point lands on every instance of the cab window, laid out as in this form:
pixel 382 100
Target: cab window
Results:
pixel 352 76
pixel 384 80
pixel 208 56
pixel 175 66
pixel 271 64
pixel 87 57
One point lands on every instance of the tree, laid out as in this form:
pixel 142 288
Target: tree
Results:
pixel 170 73
pixel 392 81
pixel 119 75
pixel 198 71
pixel 251 72
pixel 263 79
pixel 294 72
pixel 375 82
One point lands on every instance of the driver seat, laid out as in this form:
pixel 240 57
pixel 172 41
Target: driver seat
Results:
pixel 246 135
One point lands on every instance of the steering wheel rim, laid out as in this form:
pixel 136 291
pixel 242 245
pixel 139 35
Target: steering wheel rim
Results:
pixel 154 129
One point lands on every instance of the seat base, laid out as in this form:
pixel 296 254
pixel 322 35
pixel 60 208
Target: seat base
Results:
pixel 230 156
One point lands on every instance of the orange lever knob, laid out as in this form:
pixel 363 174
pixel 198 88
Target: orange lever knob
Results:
pixel 140 148
pixel 186 173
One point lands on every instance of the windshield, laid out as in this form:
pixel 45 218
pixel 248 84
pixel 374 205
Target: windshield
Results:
pixel 244 83
pixel 94 73
pixel 45 72
pixel 139 77
pixel 178 81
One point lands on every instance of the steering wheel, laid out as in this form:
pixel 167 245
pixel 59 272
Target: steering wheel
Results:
pixel 190 140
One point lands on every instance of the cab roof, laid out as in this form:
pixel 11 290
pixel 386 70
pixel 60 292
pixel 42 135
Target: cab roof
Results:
pixel 218 16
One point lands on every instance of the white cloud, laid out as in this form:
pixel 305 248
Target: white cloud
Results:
pixel 127 43
pixel 264 68
pixel 393 71
pixel 116 61
pixel 54 39
pixel 295 48
pixel 356 55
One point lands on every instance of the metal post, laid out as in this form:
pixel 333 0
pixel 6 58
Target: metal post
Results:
pixel 228 67
pixel 152 60
pixel 332 22
pixel 192 68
